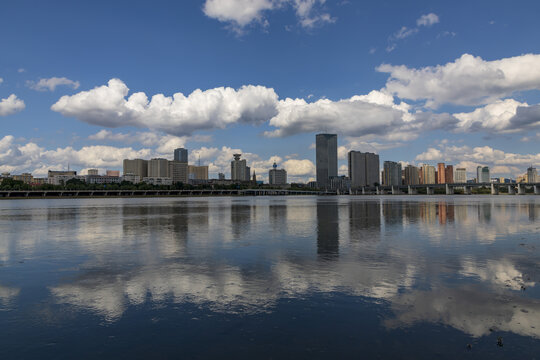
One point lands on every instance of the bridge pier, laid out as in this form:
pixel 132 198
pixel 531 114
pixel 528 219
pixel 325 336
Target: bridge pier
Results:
pixel 494 189
pixel 521 189
pixel 430 190
pixel 395 190
pixel 412 191
pixel 467 190
pixel 449 190
pixel 511 190
pixel 363 190
pixel 536 189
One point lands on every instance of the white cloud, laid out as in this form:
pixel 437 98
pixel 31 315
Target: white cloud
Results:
pixel 241 13
pixel 299 168
pixel 374 113
pixel 11 105
pixel 21 70
pixel 16 157
pixel 1 80
pixel 469 80
pixel 500 162
pixel 405 32
pixel 177 115
pixel 52 83
pixel 427 20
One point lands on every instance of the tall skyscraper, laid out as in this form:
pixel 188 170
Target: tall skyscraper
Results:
pixel 277 176
pixel 138 167
pixel 178 171
pixel 326 158
pixel 412 176
pixel 461 175
pixel 198 172
pixel 449 174
pixel 428 174
pixel 363 169
pixel 239 170
pixel 441 178
pixel 158 168
pixel 532 175
pixel 181 155
pixel 392 173
pixel 482 174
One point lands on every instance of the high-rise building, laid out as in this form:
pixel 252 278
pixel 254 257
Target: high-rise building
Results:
pixel 198 172
pixel 158 167
pixel 181 155
pixel 363 169
pixel 482 174
pixel 277 176
pixel 178 172
pixel 461 175
pixel 449 174
pixel 392 173
pixel 441 179
pixel 326 158
pixel 428 174
pixel 239 170
pixel 137 167
pixel 532 175
pixel 412 176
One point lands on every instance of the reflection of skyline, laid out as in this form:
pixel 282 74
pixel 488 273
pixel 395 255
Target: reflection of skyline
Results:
pixel 327 229
pixel 180 252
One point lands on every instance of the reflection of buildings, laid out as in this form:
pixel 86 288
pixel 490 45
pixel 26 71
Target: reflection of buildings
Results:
pixel 327 229
pixel 278 215
pixel 364 219
pixel 393 212
pixel 461 213
pixel 484 213
pixel 446 212
pixel 428 212
pixel 240 219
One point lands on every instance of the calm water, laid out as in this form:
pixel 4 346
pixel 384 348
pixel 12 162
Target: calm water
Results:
pixel 271 277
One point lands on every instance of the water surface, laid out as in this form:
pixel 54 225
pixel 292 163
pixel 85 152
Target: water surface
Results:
pixel 271 277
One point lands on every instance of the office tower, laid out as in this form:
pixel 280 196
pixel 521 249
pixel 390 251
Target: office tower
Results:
pixel 239 170
pixel 326 158
pixel 449 174
pixel 158 168
pixel 181 155
pixel 461 175
pixel 441 179
pixel 92 171
pixel 363 168
pixel 277 176
pixel 392 173
pixel 412 176
pixel 482 174
pixel 198 172
pixel 137 167
pixel 178 172
pixel 428 174
pixel 532 175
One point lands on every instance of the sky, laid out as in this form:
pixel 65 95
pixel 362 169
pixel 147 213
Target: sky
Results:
pixel 87 84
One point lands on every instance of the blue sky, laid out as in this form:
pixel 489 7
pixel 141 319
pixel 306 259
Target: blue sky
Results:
pixel 428 82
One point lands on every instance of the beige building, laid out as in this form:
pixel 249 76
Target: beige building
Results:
pixel 178 172
pixel 137 167
pixel 26 178
pixel 460 175
pixel 198 172
pixel 428 174
pixel 158 168
pixel 93 172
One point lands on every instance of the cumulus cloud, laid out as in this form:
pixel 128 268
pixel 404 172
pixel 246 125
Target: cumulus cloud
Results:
pixel 469 80
pixel 359 115
pixel 17 157
pixel 500 162
pixel 216 108
pixel 1 80
pixel 427 20
pixel 11 105
pixel 241 13
pixel 52 83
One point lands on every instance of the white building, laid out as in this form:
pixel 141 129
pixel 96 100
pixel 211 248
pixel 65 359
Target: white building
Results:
pixel 460 176
pixel 158 180
pixel 277 176
pixel 482 174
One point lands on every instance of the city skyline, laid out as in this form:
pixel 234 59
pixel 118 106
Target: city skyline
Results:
pixel 92 101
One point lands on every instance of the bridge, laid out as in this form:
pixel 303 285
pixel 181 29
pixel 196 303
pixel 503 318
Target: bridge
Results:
pixel 144 193
pixel 449 188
